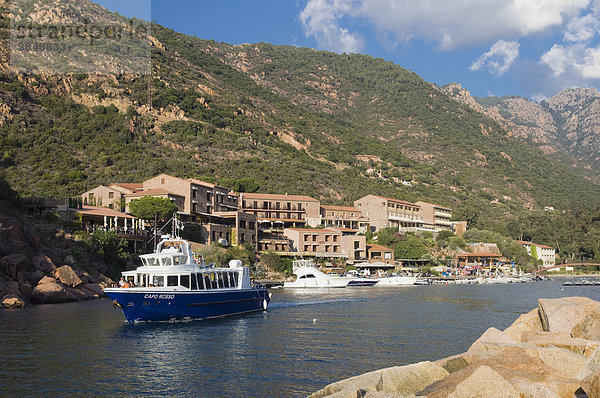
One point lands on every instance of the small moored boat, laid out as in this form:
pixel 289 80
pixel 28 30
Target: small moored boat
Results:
pixel 172 285
pixel 308 276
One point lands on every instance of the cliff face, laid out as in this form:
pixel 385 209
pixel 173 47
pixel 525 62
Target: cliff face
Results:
pixel 566 126
pixel 576 114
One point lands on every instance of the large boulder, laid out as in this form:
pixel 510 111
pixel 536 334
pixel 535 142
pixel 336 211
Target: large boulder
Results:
pixel 528 376
pixel 484 382
pixel 93 290
pixel 529 322
pixel 17 266
pixel 591 384
pixel 43 263
pixel 578 316
pixel 35 277
pixel 401 380
pixel 49 291
pixel 8 286
pixel 591 365
pixel 67 276
pixel 12 302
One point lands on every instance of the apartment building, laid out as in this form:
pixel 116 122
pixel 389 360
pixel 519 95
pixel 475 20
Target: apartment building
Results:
pixel 344 217
pixel 111 197
pixel 315 242
pixel 385 212
pixel 545 253
pixel 281 211
pixel 214 207
pixel 354 247
pixel 200 197
pixel 436 217
pixel 178 200
pixel 235 227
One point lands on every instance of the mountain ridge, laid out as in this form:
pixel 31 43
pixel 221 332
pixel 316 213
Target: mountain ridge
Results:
pixel 566 125
pixel 294 120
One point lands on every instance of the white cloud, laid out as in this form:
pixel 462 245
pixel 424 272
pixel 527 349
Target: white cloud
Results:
pixel 582 28
pixel 451 24
pixel 320 20
pixel 575 61
pixel 499 58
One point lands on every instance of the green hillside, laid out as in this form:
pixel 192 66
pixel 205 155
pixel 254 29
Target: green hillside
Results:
pixel 282 119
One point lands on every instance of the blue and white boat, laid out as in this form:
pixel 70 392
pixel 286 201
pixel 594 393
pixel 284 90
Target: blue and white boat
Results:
pixel 172 285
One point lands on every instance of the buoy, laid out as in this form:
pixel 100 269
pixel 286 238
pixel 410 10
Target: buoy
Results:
pixel 314 320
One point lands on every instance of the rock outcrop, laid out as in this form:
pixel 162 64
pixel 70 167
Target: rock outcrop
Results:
pixel 552 351
pixel 28 273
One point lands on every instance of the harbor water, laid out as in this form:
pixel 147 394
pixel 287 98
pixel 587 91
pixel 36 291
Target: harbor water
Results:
pixel 306 340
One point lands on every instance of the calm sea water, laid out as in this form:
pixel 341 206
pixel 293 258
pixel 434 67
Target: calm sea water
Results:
pixel 306 340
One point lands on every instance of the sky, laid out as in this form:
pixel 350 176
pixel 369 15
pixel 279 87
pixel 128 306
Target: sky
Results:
pixel 530 48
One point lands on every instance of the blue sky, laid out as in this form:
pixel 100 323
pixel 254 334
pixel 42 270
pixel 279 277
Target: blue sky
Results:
pixel 531 48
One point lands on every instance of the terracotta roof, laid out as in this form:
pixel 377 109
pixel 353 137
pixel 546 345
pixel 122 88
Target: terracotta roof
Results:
pixel 524 242
pixel 270 196
pixel 200 182
pixel 479 255
pixel 378 247
pixel 397 200
pixel 101 211
pixel 344 229
pixel 340 208
pixel 150 192
pixel 129 185
pixel 192 180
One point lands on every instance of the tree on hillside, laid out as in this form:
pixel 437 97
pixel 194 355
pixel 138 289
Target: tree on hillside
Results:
pixel 150 208
pixel 411 247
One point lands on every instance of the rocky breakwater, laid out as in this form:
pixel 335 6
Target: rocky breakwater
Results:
pixel 552 351
pixel 28 273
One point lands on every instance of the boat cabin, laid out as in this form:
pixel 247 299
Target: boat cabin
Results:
pixel 174 266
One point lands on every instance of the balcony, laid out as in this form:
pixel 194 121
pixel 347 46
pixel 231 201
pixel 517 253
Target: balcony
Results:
pixel 442 214
pixel 405 218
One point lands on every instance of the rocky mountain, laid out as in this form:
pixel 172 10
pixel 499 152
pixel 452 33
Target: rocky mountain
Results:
pixel 289 119
pixel 566 126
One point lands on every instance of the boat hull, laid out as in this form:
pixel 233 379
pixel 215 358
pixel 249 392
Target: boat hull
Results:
pixel 164 305
pixel 335 282
pixel 397 281
pixel 362 282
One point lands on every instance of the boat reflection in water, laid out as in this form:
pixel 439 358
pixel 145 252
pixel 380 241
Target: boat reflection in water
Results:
pixel 172 285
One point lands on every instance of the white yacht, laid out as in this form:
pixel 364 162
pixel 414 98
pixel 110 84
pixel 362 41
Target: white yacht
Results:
pixel 308 276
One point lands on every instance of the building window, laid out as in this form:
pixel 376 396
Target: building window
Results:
pixel 195 207
pixel 356 244
pixel 111 195
pixel 162 181
pixel 194 193
pixel 242 238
